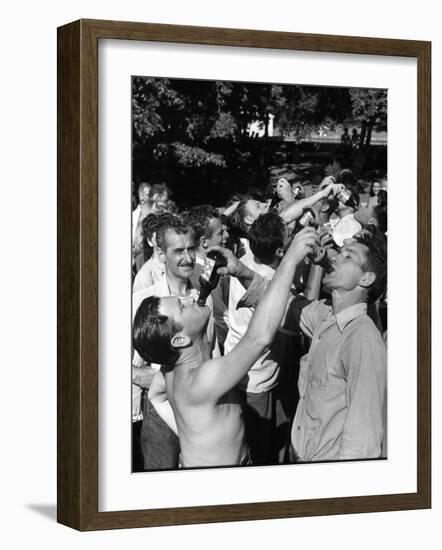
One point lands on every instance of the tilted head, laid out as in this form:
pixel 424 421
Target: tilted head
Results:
pixel 375 213
pixel 360 268
pixel 163 326
pixel 247 211
pixel 207 226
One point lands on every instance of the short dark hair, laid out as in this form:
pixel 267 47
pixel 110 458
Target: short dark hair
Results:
pixel 346 177
pixel 159 188
pixel 376 262
pixel 199 218
pixel 239 227
pixel 170 222
pixel 142 185
pixel 149 226
pixel 153 332
pixel 266 235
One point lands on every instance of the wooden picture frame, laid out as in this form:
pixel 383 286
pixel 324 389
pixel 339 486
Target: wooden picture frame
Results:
pixel 77 431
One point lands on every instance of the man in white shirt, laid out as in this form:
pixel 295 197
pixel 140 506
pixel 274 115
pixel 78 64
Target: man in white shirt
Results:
pixel 208 230
pixel 152 270
pixel 143 195
pixel 268 237
pixel 344 226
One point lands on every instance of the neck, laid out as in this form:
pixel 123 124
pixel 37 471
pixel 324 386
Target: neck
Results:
pixel 195 354
pixel 274 264
pixel 345 212
pixel 343 299
pixel 177 287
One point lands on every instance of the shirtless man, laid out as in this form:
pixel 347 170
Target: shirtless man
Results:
pixel 206 407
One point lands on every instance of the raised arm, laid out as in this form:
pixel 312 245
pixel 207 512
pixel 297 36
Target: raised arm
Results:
pixel 294 210
pixel 214 378
pixel 234 267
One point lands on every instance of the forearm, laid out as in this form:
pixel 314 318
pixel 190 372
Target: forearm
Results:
pixel 245 275
pixel 294 210
pixel 271 308
pixel 143 376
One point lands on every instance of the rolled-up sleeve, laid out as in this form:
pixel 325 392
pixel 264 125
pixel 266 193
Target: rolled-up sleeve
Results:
pixel 255 292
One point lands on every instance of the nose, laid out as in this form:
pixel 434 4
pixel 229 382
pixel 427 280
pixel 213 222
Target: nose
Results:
pixel 187 257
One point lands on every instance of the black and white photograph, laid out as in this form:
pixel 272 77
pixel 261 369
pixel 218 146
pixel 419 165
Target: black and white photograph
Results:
pixel 259 273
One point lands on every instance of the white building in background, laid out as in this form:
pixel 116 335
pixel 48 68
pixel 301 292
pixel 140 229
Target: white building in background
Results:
pixel 257 128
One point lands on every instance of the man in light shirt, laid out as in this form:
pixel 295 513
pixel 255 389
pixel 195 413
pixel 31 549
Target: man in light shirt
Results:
pixel 344 225
pixel 268 237
pixel 143 195
pixel 152 270
pixel 341 414
pixel 208 231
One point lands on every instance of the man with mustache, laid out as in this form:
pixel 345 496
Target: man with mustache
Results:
pixel 176 246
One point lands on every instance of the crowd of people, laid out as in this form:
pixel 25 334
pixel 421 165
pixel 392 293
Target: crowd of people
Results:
pixel 286 360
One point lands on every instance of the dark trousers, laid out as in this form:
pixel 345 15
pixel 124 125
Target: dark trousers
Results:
pixel 266 426
pixel 159 444
pixel 137 455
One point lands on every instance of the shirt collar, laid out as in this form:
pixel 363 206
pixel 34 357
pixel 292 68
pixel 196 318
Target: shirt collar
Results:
pixel 348 314
pixel 163 286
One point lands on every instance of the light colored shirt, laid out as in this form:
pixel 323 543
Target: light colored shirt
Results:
pixel 342 386
pixel 149 274
pixel 344 228
pixel 161 289
pixel 135 217
pixel 263 376
pixel 341 414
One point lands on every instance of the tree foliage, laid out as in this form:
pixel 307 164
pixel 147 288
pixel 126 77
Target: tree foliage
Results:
pixel 195 127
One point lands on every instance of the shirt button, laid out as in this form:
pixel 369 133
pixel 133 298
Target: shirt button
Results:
pixel 299 427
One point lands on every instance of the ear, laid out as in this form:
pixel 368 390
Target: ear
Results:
pixel 279 253
pixel 161 255
pixel 248 220
pixel 203 243
pixel 180 340
pixel 367 279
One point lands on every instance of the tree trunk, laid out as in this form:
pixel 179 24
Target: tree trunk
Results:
pixel 363 134
pixel 266 125
pixel 368 138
